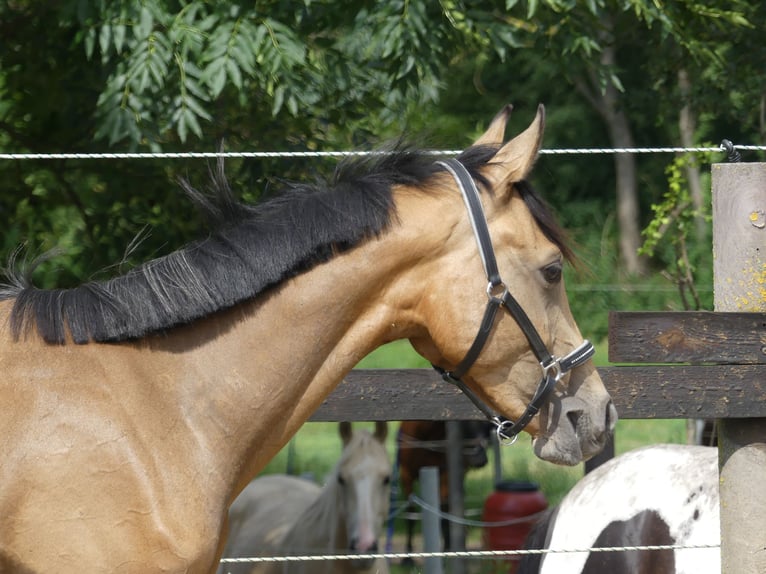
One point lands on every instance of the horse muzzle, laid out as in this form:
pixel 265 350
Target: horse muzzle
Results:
pixel 578 432
pixel 362 563
pixel 475 456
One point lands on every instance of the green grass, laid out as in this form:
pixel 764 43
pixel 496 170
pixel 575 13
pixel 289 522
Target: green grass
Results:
pixel 398 355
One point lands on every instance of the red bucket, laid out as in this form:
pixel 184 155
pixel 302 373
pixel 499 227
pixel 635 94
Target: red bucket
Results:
pixel 511 501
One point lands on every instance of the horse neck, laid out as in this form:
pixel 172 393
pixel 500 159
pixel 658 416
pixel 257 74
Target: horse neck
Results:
pixel 274 360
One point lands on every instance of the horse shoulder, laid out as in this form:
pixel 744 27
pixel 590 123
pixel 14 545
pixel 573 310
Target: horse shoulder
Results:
pixel 76 468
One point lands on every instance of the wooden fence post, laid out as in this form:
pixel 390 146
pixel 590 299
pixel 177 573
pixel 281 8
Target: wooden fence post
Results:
pixel 431 522
pixel 739 268
pixel 456 502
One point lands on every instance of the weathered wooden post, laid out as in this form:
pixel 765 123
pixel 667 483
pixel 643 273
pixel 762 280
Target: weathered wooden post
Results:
pixel 739 268
pixel 429 491
pixel 455 475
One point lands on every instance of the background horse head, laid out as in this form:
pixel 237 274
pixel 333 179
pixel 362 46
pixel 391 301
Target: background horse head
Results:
pixel 213 356
pixel 657 495
pixel 424 443
pixel 279 515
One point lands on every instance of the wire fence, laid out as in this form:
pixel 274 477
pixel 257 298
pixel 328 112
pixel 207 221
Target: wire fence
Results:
pixel 476 554
pixel 466 553
pixel 472 554
pixel 723 148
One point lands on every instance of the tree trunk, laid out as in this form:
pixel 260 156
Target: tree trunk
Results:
pixel 628 213
pixel 606 101
pixel 687 125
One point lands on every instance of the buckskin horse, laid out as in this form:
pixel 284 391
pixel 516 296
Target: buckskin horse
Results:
pixel 278 515
pixel 659 495
pixel 135 409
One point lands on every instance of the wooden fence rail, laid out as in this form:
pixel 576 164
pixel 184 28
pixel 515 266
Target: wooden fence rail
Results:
pixel 705 365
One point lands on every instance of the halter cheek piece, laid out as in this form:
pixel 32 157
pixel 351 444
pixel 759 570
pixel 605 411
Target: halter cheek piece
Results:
pixel 554 368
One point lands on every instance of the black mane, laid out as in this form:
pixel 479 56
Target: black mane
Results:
pixel 253 249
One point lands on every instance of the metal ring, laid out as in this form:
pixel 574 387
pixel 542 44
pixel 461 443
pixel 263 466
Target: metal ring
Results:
pixel 493 288
pixel 503 439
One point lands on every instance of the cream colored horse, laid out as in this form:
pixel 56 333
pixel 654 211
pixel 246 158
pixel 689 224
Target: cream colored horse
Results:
pixel 279 515
pixel 135 410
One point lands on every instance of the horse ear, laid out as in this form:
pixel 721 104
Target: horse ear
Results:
pixel 381 431
pixel 344 428
pixel 514 160
pixel 495 134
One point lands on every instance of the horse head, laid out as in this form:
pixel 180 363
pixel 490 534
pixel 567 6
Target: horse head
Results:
pixel 576 420
pixel 364 476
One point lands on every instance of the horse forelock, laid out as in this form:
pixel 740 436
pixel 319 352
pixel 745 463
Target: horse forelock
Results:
pixel 253 249
pixel 362 446
pixel 545 219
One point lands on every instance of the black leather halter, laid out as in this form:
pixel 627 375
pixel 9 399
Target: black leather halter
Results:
pixel 554 368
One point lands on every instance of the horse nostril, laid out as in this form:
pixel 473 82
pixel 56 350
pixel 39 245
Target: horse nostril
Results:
pixel 355 547
pixel 574 417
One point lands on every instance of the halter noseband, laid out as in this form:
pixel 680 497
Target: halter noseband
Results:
pixel 554 368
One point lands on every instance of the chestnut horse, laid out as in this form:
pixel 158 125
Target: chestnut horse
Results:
pixel 136 409
pixel 424 443
pixel 660 495
pixel 279 515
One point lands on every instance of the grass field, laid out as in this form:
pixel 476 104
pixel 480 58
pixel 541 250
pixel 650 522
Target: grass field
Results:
pixel 316 447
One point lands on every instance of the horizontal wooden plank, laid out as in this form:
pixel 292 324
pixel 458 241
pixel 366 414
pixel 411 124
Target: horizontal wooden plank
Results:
pixel 395 395
pixel 687 391
pixel 641 392
pixel 687 337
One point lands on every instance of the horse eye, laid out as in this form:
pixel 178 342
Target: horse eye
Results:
pixel 341 480
pixel 386 480
pixel 552 273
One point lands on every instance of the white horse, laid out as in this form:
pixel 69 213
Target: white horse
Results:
pixel 656 495
pixel 278 515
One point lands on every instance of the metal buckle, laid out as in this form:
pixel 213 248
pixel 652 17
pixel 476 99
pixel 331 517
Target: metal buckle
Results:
pixel 575 358
pixel 555 366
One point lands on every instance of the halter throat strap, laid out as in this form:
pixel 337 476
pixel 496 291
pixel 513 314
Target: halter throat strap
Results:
pixel 498 294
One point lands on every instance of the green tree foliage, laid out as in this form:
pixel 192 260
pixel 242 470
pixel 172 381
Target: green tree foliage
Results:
pixel 131 75
pixel 77 75
pixel 672 230
pixel 171 64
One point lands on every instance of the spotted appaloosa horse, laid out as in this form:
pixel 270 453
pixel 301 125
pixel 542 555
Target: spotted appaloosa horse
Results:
pixel 278 515
pixel 656 495
pixel 136 409
pixel 424 443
